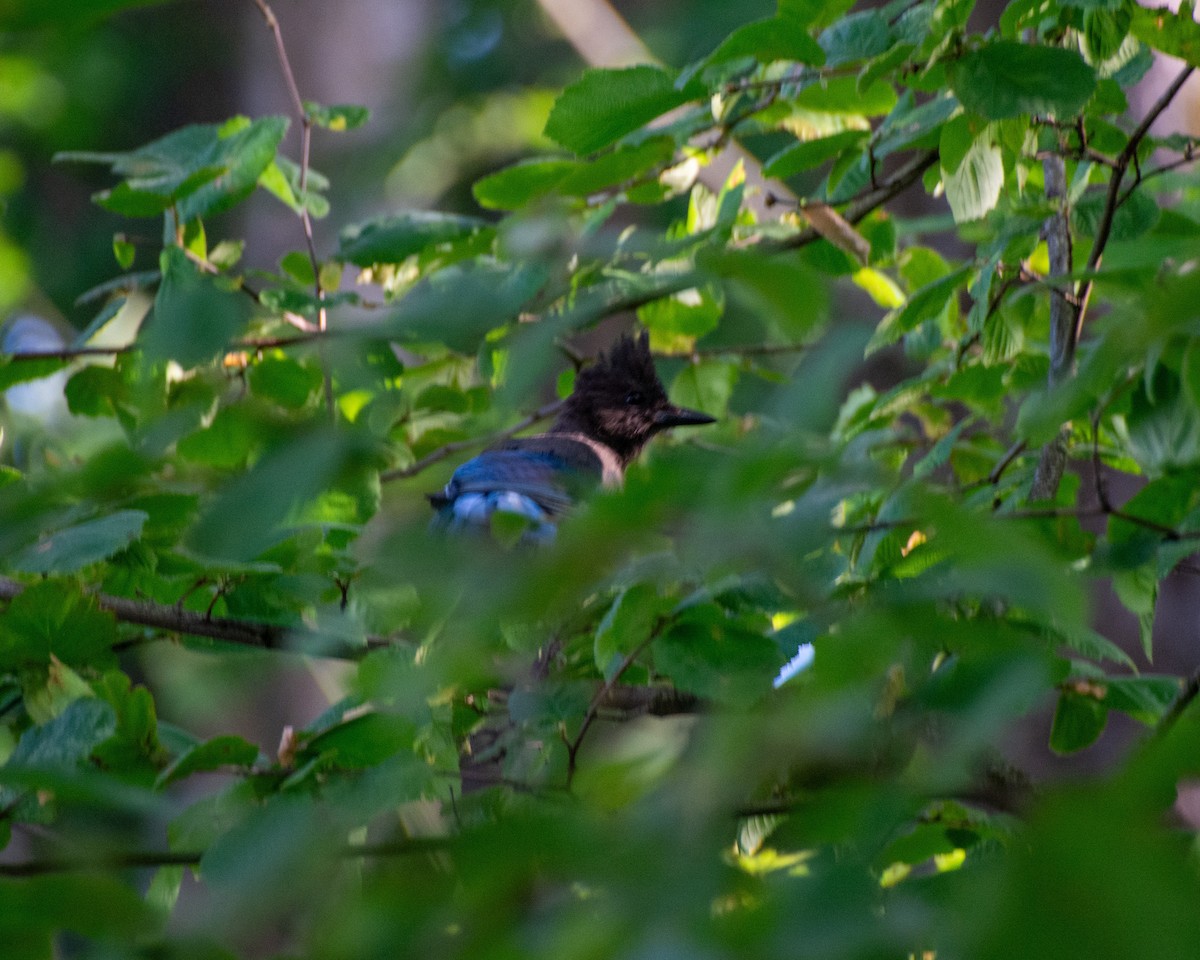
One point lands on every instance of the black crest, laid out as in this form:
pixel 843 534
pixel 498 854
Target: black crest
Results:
pixel 620 401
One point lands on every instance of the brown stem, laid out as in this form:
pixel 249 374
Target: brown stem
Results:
pixel 306 125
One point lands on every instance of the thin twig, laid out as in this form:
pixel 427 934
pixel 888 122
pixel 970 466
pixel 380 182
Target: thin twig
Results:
pixel 306 125
pixel 1187 693
pixel 1126 156
pixel 866 203
pixel 1005 461
pixel 448 449
pixel 1038 513
pixel 599 699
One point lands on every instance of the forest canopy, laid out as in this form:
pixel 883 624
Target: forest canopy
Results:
pixel 870 667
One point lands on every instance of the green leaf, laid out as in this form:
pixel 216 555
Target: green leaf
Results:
pixel 911 123
pixel 1163 431
pixel 13 371
pixel 1189 372
pixel 458 306
pixel 249 514
pixel 812 153
pixel 925 304
pixel 705 386
pixel 228 442
pixel 705 654
pixel 364 740
pixel 781 289
pixel 1007 79
pixel 123 251
pixel 1078 722
pixel 840 95
pixel 617 167
pixel 343 116
pixel 515 186
pixel 52 618
pixel 36 911
pixel 626 625
pixel 72 548
pixel 243 150
pixel 1132 219
pixel 199 169
pixel 1137 590
pixel 69 738
pixel 1146 698
pixel 767 40
pixel 297 265
pixel 395 238
pixel 604 105
pixel 973 188
pixel 860 36
pixel 94 391
pixel 689 314
pixel 285 381
pixel 1104 32
pixel 1096 646
pixel 194 318
pixel 815 13
pixel 224 751
pixel 1174 33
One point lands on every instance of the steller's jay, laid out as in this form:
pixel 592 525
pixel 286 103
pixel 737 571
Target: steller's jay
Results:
pixel 617 405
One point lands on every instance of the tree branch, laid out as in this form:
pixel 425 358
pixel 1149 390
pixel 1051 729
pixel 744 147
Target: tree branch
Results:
pixel 263 636
pixel 1067 312
pixel 859 208
pixel 134 859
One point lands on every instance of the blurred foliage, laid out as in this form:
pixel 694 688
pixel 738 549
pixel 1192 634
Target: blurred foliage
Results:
pixel 236 490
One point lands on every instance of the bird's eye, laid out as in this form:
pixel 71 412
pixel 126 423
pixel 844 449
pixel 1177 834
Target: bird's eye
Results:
pixel 634 399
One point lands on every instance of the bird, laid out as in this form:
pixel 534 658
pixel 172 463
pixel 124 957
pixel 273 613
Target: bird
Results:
pixel 618 405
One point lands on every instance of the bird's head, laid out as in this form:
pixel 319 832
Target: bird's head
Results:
pixel 620 401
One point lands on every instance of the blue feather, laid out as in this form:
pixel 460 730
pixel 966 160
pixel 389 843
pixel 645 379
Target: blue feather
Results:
pixel 538 478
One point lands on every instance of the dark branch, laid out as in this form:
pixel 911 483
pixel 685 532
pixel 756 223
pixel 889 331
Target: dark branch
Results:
pixel 134 859
pixel 1188 693
pixel 868 202
pixel 247 633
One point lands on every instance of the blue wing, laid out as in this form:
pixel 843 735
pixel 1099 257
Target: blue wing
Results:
pixel 537 478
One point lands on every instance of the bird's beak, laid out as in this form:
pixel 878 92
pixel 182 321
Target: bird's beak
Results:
pixel 680 417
